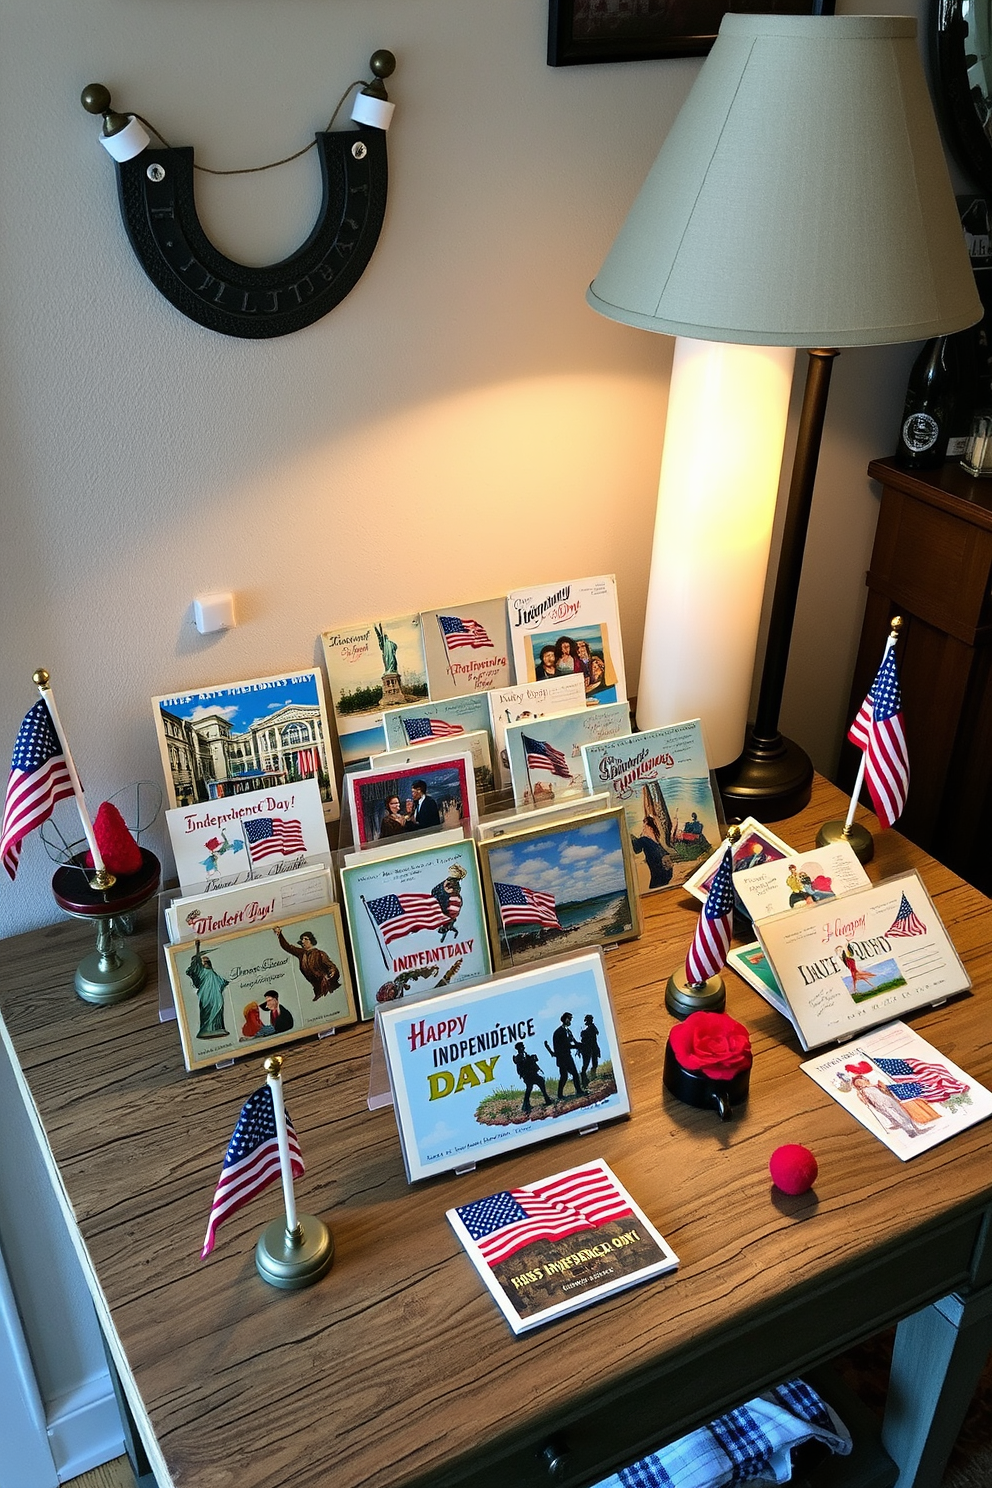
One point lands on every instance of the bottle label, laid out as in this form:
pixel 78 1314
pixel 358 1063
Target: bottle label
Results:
pixel 920 432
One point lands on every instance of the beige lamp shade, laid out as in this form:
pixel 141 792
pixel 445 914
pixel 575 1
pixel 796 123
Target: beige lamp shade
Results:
pixel 800 199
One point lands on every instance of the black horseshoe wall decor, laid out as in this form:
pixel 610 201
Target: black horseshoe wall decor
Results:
pixel 155 187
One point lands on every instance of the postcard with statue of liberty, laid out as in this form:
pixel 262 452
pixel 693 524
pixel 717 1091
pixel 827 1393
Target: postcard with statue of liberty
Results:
pixel 661 779
pixel 372 666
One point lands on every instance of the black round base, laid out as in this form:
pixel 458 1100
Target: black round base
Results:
pixel 766 781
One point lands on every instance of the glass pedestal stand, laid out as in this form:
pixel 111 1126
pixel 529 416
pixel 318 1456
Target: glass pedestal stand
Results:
pixel 111 972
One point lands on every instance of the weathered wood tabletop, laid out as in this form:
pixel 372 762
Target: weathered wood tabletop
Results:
pixel 397 1369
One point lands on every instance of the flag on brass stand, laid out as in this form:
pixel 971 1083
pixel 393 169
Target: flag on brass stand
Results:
pixel 878 733
pixel 251 1162
pixel 39 777
pixel 711 942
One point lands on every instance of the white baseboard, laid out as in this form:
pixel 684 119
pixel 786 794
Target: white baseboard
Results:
pixel 84 1428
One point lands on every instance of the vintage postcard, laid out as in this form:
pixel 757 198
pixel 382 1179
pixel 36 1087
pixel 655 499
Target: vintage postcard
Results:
pixel 556 1245
pixel 662 780
pixel 245 837
pixel 509 822
pixel 194 916
pixel 560 888
pixel 546 755
pixel 416 923
pixel 467 648
pixel 444 718
pixel 503 1065
pixel 264 734
pixel 252 990
pixel 756 846
pixel 571 627
pixel 908 1094
pixel 476 744
pixel 800 879
pixel 751 965
pixel 530 700
pixel 412 798
pixel 850 963
pixel 372 666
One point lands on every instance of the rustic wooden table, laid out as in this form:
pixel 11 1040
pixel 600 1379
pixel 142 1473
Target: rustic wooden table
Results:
pixel 397 1369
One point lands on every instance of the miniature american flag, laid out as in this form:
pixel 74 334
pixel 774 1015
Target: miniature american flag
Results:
pixel 39 777
pixel 906 922
pixel 267 835
pixel 506 1222
pixel 401 914
pixel 878 733
pixel 931 1081
pixel 544 756
pixel 251 1161
pixel 458 632
pixel 520 906
pixel 711 941
pixel 418 729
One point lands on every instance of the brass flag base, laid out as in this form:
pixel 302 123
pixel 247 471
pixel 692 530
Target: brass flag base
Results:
pixel 294 1260
pixel 858 836
pixel 682 998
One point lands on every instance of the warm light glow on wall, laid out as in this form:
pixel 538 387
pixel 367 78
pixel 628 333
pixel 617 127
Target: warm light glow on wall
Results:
pixel 720 470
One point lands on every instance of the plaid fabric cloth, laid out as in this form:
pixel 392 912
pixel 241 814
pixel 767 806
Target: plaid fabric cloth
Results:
pixel 751 1444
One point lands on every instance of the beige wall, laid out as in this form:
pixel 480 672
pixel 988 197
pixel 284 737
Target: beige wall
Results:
pixel 461 424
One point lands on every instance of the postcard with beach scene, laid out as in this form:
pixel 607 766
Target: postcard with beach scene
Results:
pixel 570 628
pixel 414 798
pixel 443 718
pixel 251 990
pixel 246 837
pixel 908 1094
pixel 502 1065
pixel 546 755
pixel 263 734
pixel 476 744
pixel 529 700
pixel 372 666
pixel 467 648
pixel 800 879
pixel 661 779
pixel 560 888
pixel 416 923
pixel 850 963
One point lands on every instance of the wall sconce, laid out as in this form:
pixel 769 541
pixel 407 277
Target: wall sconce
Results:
pixel 155 189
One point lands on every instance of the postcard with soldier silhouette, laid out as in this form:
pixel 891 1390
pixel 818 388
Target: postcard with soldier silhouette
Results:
pixel 416 923
pixel 371 666
pixel 263 734
pixel 503 1064
pixel 661 779
pixel 253 989
pixel 553 1246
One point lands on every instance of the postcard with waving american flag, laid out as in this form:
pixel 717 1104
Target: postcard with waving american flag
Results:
pixel 908 1094
pixel 556 1245
pixel 467 648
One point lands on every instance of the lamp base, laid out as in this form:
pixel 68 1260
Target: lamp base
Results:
pixel 769 780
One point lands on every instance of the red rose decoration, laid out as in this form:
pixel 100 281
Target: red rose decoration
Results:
pixel 714 1043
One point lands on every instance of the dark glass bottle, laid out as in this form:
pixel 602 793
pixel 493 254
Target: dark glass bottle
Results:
pixel 930 396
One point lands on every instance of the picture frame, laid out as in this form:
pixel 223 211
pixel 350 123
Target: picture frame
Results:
pixel 261 734
pixel 224 987
pixel 564 886
pixel 411 799
pixel 400 913
pixel 639 30
pixel 459 1093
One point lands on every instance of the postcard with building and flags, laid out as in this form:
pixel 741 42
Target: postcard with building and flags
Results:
pixel 262 734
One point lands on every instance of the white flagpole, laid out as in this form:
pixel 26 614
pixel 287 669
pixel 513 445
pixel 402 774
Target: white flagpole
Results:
pixel 101 879
pixel 893 636
pixel 273 1066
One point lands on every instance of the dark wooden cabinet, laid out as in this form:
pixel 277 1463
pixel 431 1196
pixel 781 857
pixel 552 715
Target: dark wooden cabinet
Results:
pixel 932 564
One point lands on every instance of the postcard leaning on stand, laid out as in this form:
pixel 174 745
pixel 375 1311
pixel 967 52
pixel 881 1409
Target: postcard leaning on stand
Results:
pixel 852 962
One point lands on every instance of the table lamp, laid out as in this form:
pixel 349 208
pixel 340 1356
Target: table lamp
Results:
pixel 801 199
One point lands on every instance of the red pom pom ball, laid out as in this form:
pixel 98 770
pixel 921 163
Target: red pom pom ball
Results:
pixel 793 1168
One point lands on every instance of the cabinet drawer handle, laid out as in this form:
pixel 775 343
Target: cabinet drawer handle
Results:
pixel 555 1458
